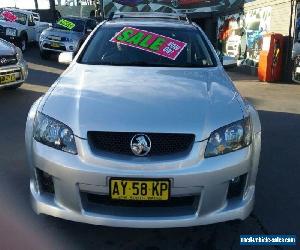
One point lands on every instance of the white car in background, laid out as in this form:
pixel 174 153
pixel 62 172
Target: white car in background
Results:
pixel 20 27
pixel 236 44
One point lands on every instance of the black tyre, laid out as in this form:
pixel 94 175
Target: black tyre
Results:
pixel 45 54
pixel 12 87
pixel 23 44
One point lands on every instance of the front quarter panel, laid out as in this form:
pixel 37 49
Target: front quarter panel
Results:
pixel 256 143
pixel 29 129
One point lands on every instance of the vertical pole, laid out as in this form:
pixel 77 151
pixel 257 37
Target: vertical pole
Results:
pixel 52 9
pixel 36 4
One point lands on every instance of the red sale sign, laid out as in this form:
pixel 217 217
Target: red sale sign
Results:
pixel 9 16
pixel 149 41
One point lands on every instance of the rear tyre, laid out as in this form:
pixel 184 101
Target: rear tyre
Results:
pixel 45 55
pixel 23 43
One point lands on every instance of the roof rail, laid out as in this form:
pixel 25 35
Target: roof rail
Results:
pixel 111 16
pixel 174 16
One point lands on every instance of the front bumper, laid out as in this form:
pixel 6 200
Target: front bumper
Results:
pixel 20 70
pixel 206 179
pixel 46 45
pixel 12 39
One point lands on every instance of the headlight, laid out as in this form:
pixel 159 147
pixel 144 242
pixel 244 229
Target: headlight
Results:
pixel 230 138
pixel 42 37
pixel 19 54
pixel 54 133
pixel 11 32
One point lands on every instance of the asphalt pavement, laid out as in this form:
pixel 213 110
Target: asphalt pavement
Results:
pixel 277 195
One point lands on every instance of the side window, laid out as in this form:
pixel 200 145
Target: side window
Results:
pixel 31 21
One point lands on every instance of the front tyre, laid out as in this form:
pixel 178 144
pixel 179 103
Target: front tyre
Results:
pixel 23 43
pixel 44 54
pixel 12 87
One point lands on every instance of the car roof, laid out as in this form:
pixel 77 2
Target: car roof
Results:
pixel 21 11
pixel 159 21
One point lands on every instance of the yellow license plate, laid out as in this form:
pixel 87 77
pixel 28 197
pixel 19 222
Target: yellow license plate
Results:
pixel 139 189
pixel 7 78
pixel 55 45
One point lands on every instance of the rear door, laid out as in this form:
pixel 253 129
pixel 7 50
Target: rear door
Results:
pixel 32 27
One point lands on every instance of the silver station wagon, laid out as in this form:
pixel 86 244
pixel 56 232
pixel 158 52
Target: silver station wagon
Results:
pixel 144 129
pixel 13 67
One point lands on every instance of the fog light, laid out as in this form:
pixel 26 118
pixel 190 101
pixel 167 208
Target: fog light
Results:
pixel 45 182
pixel 236 186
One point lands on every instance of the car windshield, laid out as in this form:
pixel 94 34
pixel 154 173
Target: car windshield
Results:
pixel 13 16
pixel 104 50
pixel 72 24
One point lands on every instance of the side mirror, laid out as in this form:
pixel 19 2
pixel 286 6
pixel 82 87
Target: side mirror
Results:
pixel 89 31
pixel 66 57
pixel 31 24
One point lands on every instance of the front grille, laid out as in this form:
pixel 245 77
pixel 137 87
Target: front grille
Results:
pixel 8 60
pixel 175 206
pixel 54 38
pixel 48 46
pixel 57 38
pixel 161 143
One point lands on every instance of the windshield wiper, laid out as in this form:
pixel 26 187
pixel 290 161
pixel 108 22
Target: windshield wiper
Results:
pixel 129 64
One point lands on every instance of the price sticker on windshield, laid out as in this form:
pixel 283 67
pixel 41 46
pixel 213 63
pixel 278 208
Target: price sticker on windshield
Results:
pixel 149 41
pixel 66 24
pixel 9 16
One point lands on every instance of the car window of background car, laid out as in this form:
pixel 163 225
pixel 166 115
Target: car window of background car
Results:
pixel 79 24
pixel 101 51
pixel 31 20
pixel 21 18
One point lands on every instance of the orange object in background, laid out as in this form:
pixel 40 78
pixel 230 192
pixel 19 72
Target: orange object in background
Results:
pixel 270 58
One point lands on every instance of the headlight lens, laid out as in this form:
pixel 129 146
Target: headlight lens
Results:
pixel 42 37
pixel 230 138
pixel 54 134
pixel 11 32
pixel 19 54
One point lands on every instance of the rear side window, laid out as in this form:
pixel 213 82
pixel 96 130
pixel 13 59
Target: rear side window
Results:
pixel 103 49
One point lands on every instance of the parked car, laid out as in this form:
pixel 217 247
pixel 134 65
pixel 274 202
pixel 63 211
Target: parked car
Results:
pixel 144 129
pixel 60 37
pixel 296 61
pixel 13 68
pixel 236 45
pixel 20 26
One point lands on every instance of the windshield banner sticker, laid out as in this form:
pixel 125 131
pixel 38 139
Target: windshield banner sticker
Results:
pixel 9 16
pixel 151 42
pixel 66 24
